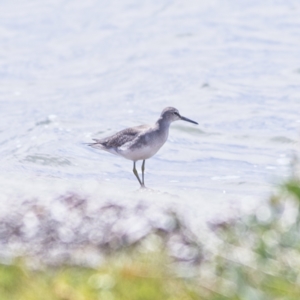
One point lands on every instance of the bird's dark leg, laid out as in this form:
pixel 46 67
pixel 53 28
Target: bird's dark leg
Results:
pixel 143 169
pixel 136 174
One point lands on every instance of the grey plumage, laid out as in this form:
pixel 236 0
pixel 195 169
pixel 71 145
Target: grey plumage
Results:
pixel 140 142
pixel 120 138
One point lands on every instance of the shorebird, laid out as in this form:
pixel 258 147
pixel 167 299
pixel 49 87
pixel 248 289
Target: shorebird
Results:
pixel 141 142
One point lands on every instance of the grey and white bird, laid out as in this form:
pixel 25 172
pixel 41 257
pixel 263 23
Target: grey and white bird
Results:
pixel 141 142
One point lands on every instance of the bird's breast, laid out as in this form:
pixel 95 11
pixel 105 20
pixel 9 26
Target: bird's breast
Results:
pixel 144 146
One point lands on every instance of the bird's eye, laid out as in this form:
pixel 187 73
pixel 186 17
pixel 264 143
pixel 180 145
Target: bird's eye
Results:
pixel 175 113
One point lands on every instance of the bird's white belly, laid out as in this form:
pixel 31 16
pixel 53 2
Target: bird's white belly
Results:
pixel 136 152
pixel 141 153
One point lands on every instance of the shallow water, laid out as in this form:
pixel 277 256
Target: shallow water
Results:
pixel 72 71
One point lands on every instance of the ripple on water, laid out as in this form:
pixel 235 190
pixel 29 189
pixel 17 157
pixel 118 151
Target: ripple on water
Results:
pixel 47 160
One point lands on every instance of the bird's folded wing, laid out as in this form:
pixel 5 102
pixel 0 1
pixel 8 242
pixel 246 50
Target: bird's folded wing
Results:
pixel 118 139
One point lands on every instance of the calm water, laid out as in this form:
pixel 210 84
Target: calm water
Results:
pixel 74 70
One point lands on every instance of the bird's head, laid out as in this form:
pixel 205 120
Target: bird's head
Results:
pixel 171 114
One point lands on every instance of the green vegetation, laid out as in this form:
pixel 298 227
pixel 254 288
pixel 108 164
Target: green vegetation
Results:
pixel 255 257
pixel 125 277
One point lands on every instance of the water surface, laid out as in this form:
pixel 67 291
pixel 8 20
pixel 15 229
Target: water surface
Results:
pixel 72 71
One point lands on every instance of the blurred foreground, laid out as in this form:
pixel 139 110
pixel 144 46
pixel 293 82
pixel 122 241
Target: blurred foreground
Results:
pixel 117 253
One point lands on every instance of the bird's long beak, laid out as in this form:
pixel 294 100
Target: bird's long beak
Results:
pixel 188 120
